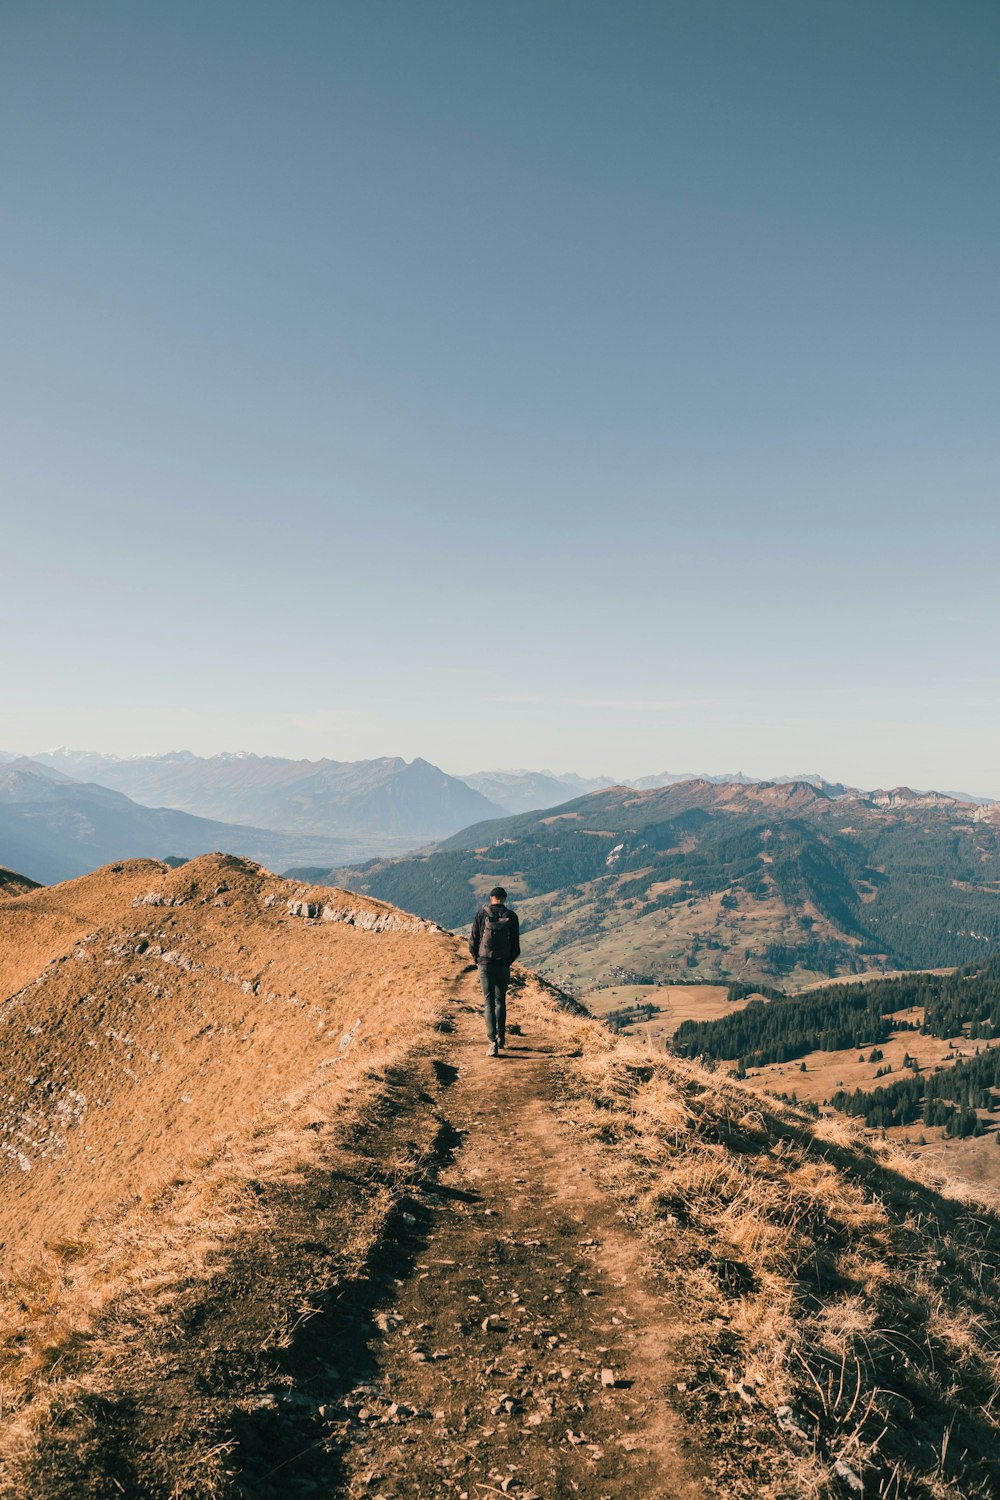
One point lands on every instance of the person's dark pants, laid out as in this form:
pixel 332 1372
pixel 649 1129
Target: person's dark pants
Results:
pixel 494 978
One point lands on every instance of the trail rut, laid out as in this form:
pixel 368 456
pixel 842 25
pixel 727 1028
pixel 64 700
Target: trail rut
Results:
pixel 524 1353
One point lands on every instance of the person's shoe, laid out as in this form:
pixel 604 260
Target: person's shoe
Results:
pixel 493 1050
pixel 501 1042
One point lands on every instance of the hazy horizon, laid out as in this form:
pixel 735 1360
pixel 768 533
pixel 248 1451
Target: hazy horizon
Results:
pixel 616 775
pixel 552 385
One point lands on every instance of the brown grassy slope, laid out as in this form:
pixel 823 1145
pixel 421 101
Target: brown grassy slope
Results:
pixel 169 1080
pixel 39 922
pixel 839 1304
pixel 337 1334
pixel 195 1009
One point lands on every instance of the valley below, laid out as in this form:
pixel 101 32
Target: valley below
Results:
pixel 651 1015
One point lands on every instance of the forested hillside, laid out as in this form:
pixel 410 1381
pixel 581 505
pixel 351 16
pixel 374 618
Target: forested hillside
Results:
pixel 774 882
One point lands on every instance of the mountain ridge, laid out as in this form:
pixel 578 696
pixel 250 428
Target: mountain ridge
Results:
pixel 520 789
pixel 723 882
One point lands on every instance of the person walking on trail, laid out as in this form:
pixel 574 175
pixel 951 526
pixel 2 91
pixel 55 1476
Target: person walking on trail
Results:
pixel 495 942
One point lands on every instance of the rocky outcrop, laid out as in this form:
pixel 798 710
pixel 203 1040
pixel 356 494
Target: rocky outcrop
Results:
pixel 904 796
pixel 369 919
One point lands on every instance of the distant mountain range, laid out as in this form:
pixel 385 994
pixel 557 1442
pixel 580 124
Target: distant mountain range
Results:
pixel 700 880
pixel 54 828
pixel 407 803
pixel 376 803
pixel 64 812
pixel 388 796
pixel 526 791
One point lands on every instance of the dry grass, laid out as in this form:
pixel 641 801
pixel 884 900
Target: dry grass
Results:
pixel 195 1010
pixel 39 924
pixel 202 1036
pixel 838 1313
pixel 841 1313
pixel 677 1002
pixel 99 1333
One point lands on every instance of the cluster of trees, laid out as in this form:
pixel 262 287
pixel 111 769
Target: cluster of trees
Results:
pixel 741 991
pixel 928 873
pixel 679 896
pixel 854 1014
pixel 948 1097
pixel 810 953
pixel 782 1029
pixel 966 1001
pixel 628 1015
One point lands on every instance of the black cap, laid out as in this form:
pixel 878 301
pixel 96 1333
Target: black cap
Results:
pixel 499 892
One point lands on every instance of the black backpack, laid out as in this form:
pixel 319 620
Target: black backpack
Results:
pixel 495 943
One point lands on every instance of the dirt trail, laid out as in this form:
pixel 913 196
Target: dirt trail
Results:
pixel 523 1301
pixel 439 1301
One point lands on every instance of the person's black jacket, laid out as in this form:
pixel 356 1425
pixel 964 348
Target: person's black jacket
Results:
pixel 475 937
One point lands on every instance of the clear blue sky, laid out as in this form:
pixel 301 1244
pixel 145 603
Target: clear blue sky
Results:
pixel 610 386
